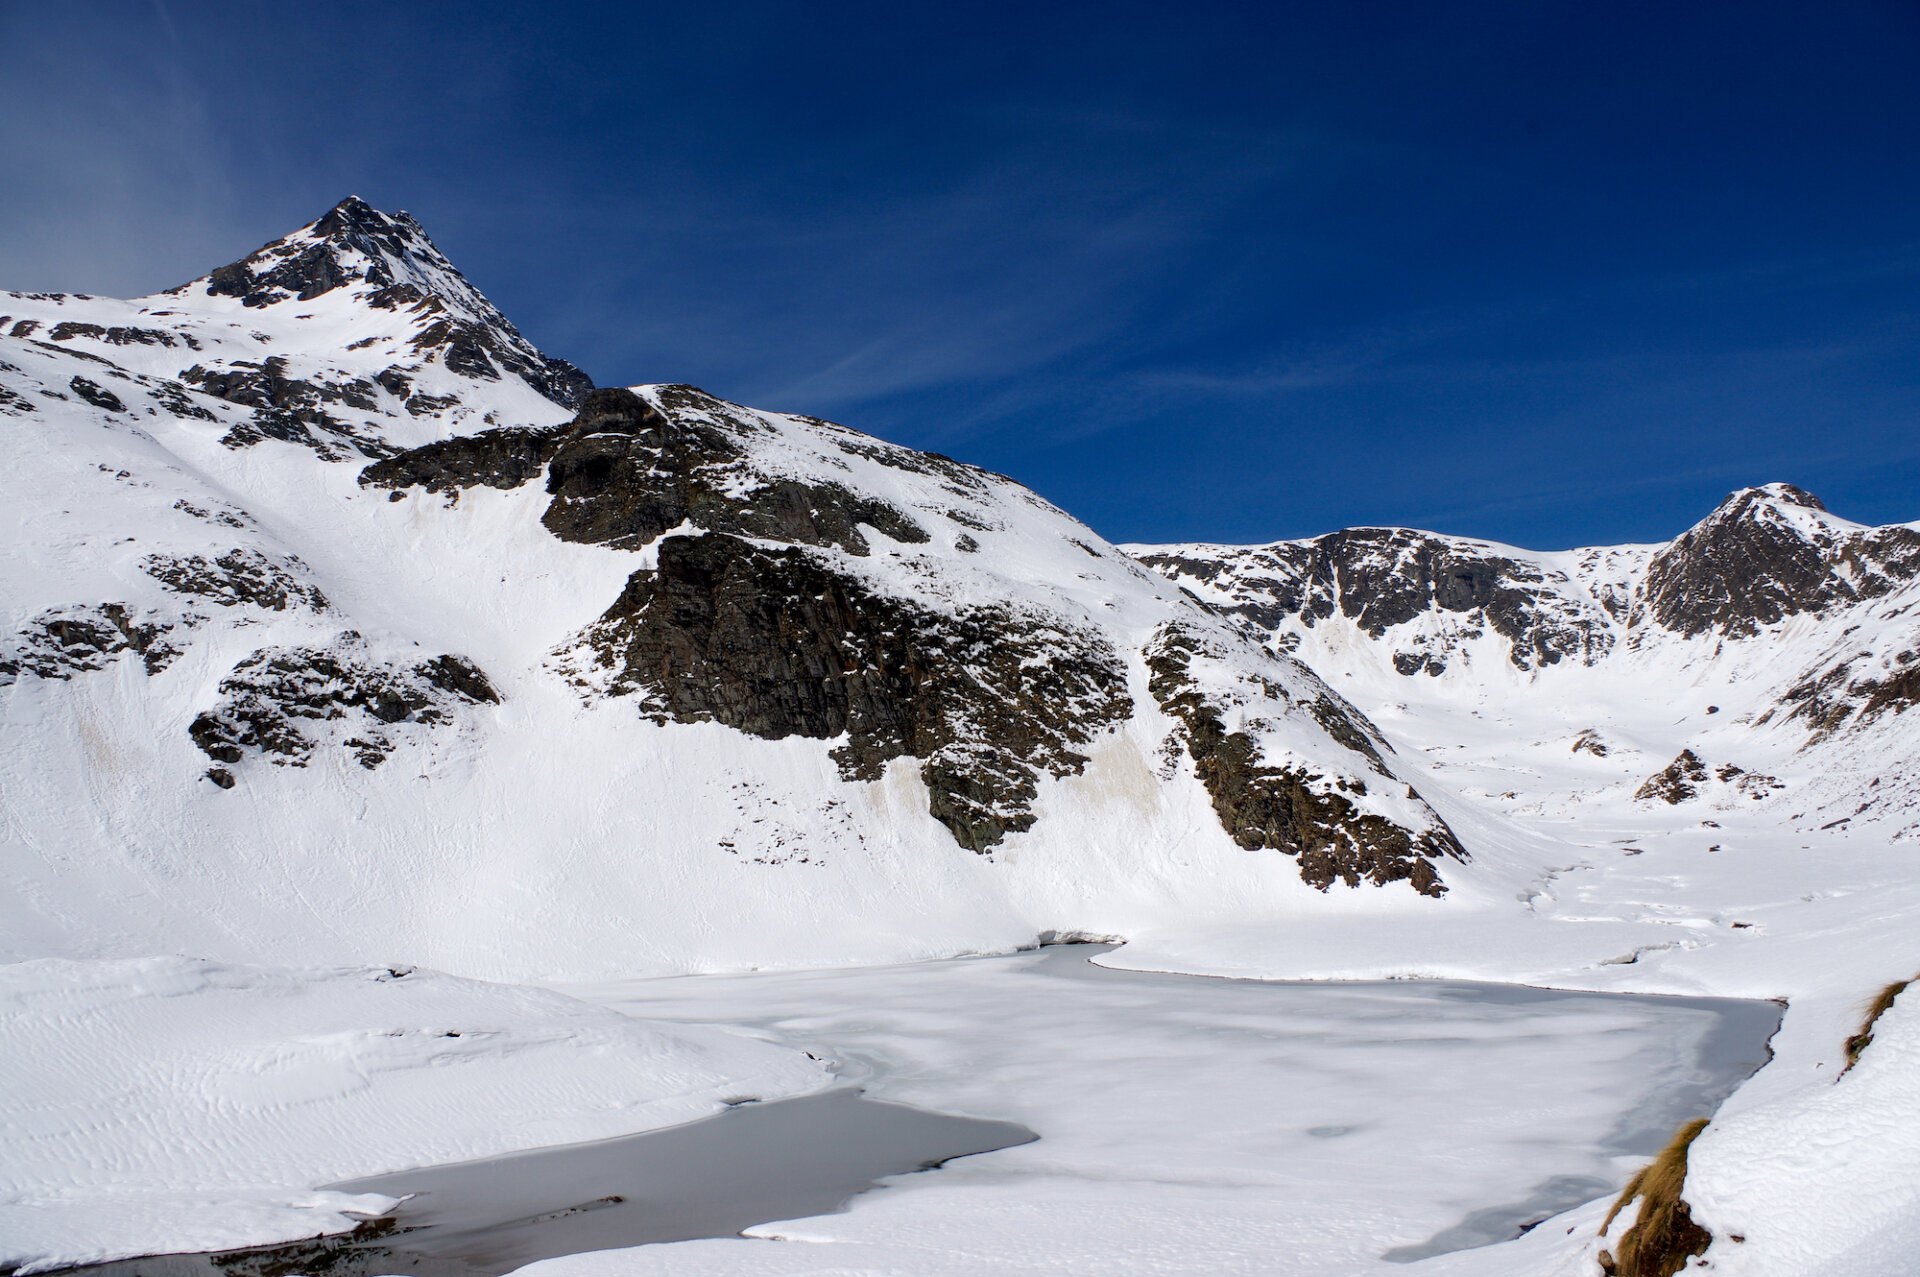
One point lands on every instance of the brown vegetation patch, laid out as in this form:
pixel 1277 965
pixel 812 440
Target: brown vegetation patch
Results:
pixel 1664 1237
pixel 1881 1004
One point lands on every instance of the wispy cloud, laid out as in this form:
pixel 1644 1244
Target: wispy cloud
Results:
pixel 117 177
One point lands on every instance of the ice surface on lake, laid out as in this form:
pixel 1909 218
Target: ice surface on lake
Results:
pixel 1201 1125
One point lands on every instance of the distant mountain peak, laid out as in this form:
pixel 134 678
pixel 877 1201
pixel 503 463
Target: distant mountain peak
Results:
pixel 388 262
pixel 1768 553
pixel 1748 502
pixel 1787 492
pixel 352 243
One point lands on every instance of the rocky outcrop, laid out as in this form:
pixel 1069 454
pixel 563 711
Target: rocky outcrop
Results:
pixel 1688 776
pixel 1313 817
pixel 280 703
pixel 64 641
pixel 775 643
pixel 1384 578
pixel 115 335
pixel 626 471
pixel 629 471
pixel 503 458
pixel 1678 781
pixel 292 410
pixel 236 577
pixel 96 395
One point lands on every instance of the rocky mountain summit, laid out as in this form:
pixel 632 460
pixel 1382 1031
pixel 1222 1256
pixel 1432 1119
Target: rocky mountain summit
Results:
pixel 398 269
pixel 1766 554
pixel 353 337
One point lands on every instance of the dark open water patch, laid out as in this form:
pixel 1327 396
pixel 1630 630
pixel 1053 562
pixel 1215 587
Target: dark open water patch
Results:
pixel 750 1165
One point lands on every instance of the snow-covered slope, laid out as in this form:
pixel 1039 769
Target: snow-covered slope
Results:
pixel 1762 660
pixel 333 632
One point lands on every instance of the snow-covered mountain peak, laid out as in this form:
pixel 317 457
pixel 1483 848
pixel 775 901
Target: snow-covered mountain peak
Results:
pixel 354 337
pixel 352 243
pixel 1790 493
pixel 1769 553
pixel 388 262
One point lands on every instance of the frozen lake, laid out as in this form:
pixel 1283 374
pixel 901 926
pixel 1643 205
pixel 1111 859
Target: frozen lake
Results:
pixel 1249 1126
pixel 1360 1126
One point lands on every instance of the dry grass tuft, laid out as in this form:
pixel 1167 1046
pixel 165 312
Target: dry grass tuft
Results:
pixel 1665 1237
pixel 1875 1009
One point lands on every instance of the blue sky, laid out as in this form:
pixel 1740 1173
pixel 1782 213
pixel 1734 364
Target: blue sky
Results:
pixel 1544 272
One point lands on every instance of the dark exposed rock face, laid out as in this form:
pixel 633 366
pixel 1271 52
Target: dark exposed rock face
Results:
pixel 236 577
pixel 94 395
pixel 1282 808
pixel 302 273
pixel 275 698
pixel 628 472
pixel 115 336
pixel 1747 565
pixel 1380 578
pixel 776 644
pixel 69 640
pixel 623 472
pixel 289 409
pixel 493 458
